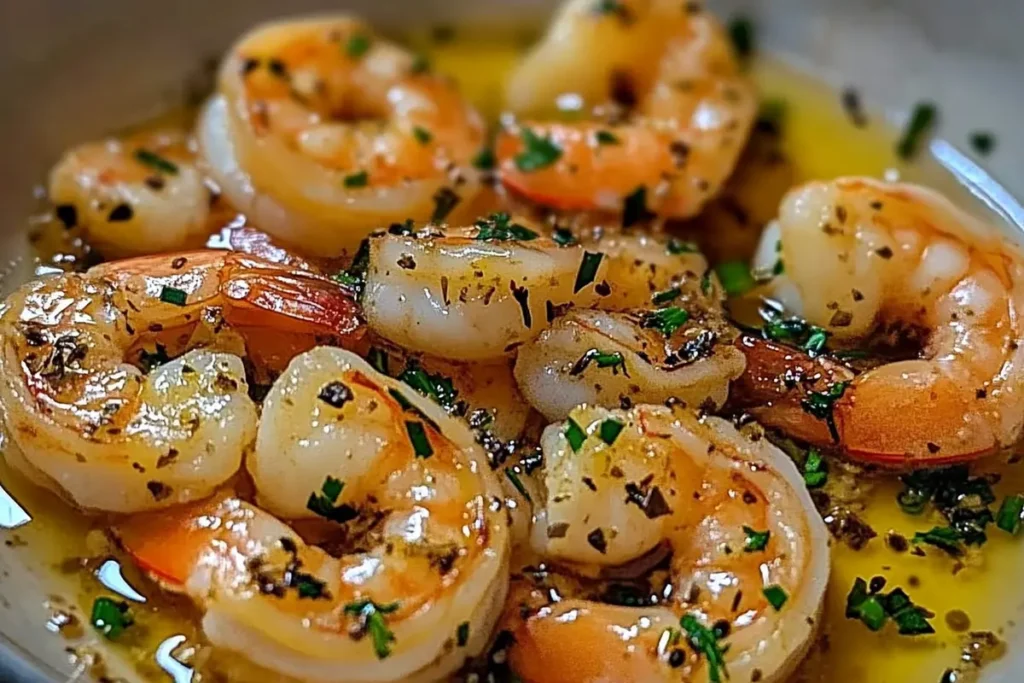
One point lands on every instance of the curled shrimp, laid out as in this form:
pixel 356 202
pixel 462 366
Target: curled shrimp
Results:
pixel 642 267
pixel 683 351
pixel 322 131
pixel 138 195
pixel 666 109
pixel 91 424
pixel 473 293
pixel 865 260
pixel 410 598
pixel 619 484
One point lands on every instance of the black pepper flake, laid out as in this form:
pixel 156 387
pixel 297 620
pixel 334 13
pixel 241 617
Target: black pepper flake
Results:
pixel 67 214
pixel 558 530
pixel 651 501
pixel 634 208
pixel 884 252
pixel 522 296
pixel 445 200
pixel 335 394
pixel 853 108
pixel 121 213
pixel 249 64
pixel 597 541
pixel 407 262
pixel 159 490
pixel 589 483
pixel 623 89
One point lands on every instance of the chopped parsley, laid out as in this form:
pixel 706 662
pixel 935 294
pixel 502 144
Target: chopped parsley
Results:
pixel 574 434
pixel 110 617
pixel 735 277
pixel 772 115
pixel 1009 516
pixel 360 179
pixel 420 65
pixel 666 296
pixel 962 499
pixel 982 142
pixel 156 162
pixel 742 33
pixel 355 275
pixel 325 504
pixel 173 295
pixel 563 237
pixel 677 246
pixel 149 360
pixel 922 119
pixel 371 620
pixel 945 538
pixel 445 199
pixel 608 7
pixel 666 320
pixel 609 430
pixel 820 404
pixel 418 436
pixel 422 135
pixel 756 540
pixel 358 45
pixel 462 634
pixel 810 338
pixel 613 360
pixel 634 208
pixel 874 608
pixel 815 470
pixel 704 641
pixel 485 160
pixel 538 152
pixel 436 387
pixel 775 595
pixel 513 477
pixel 606 137
pixel 498 227
pixel 588 269
pixel 378 358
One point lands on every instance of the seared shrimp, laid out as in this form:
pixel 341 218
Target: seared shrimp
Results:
pixel 667 110
pixel 410 598
pixel 684 351
pixel 138 195
pixel 322 131
pixel 93 426
pixel 864 258
pixel 473 293
pixel 643 268
pixel 750 553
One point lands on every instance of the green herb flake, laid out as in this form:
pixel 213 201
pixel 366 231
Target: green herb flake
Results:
pixel 665 320
pixel 440 389
pixel 756 541
pixel 563 237
pixel 325 504
pixel 422 135
pixel 418 436
pixel 378 358
pixel 666 296
pixel 609 430
pixel 874 609
pixel 1009 516
pixel 922 120
pixel 634 208
pixel 420 65
pixel 606 137
pixel 776 596
pixel 866 607
pixel 815 469
pixel 513 477
pixel 574 434
pixel 704 641
pixel 771 117
pixel 735 277
pixel 173 295
pixel 485 160
pixel 588 270
pixel 110 617
pixel 982 142
pixel 538 152
pixel 156 162
pixel 371 618
pixel 462 634
pixel 358 45
pixel 608 7
pixel 944 538
pixel 360 179
pixel 498 227
pixel 820 404
pixel 676 246
pixel 603 359
pixel 743 34
pixel 445 200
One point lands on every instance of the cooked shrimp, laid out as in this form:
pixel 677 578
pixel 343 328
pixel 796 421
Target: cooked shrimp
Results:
pixel 409 599
pixel 93 426
pixel 684 352
pixel 323 131
pixel 666 110
pixel 138 195
pixel 640 267
pixel 742 529
pixel 861 258
pixel 474 293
